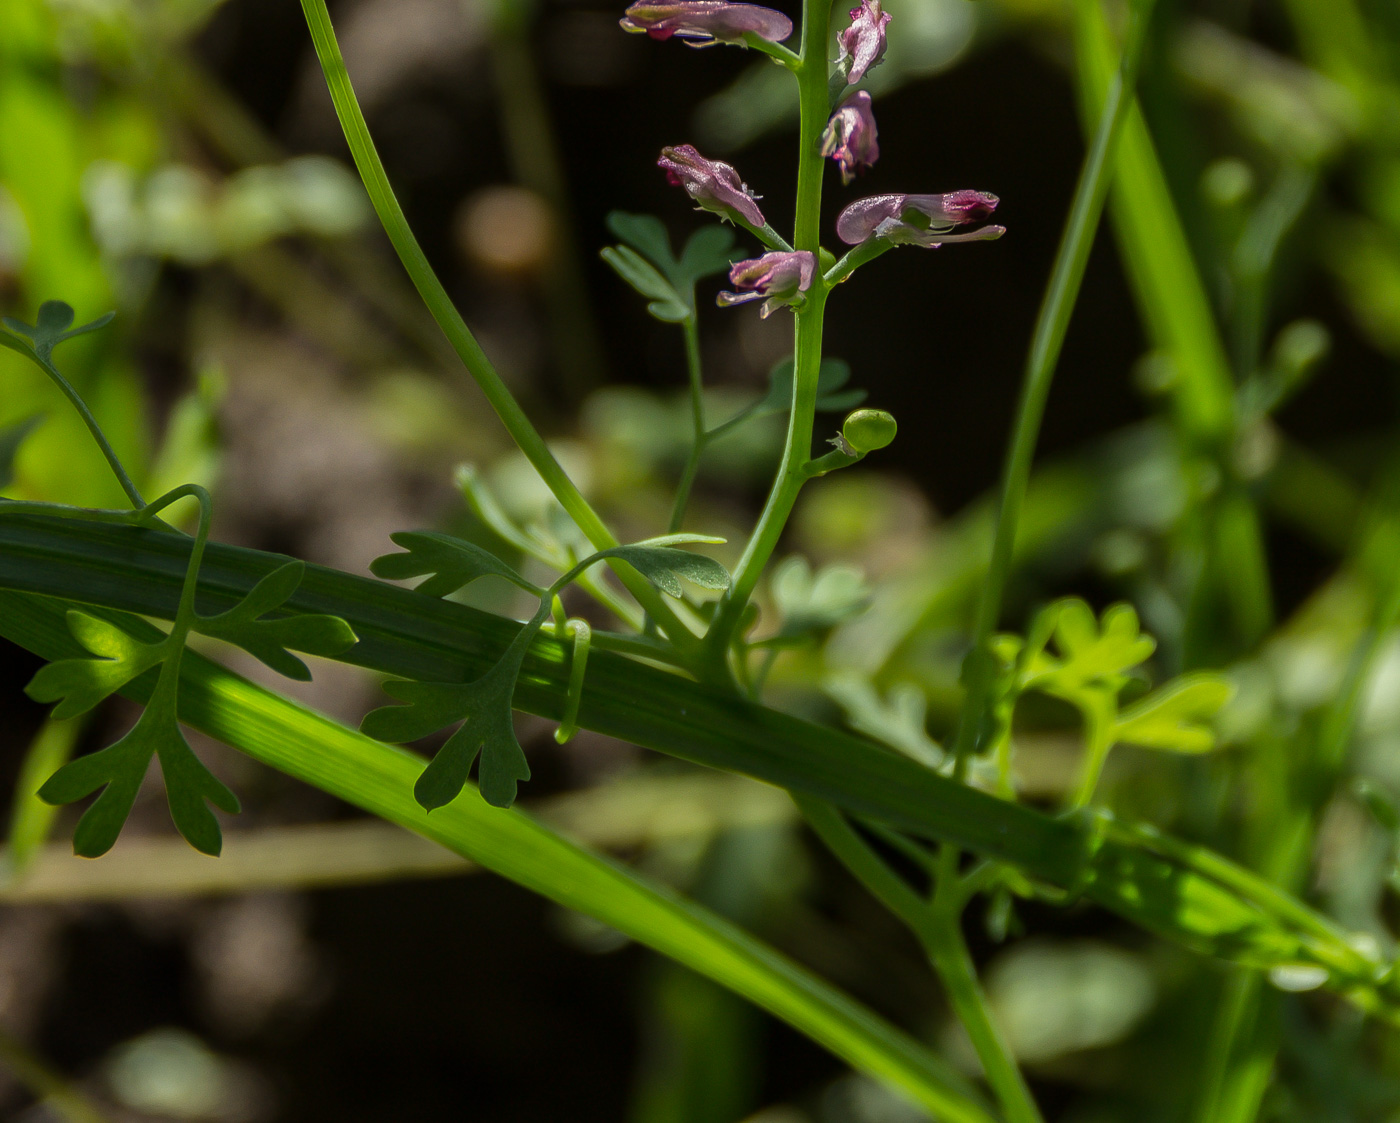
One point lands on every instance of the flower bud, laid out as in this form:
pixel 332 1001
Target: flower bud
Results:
pixel 863 43
pixel 919 220
pixel 865 430
pixel 850 136
pixel 703 23
pixel 775 278
pixel 713 184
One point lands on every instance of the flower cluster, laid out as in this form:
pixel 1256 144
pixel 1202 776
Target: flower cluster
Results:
pixel 784 276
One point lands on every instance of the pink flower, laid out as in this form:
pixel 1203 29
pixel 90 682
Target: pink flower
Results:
pixel 918 220
pixel 706 22
pixel 713 184
pixel 775 278
pixel 850 136
pixel 863 43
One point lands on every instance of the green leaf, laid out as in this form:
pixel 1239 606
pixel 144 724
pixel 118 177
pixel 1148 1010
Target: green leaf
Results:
pixel 637 272
pixel 815 603
pixel 1092 652
pixel 1174 717
pixel 79 684
pixel 488 729
pixel 708 251
pixel 11 437
pixel 898 720
pixel 50 329
pixel 834 374
pixel 453 562
pixel 664 566
pixel 119 770
pixel 647 235
pixel 269 640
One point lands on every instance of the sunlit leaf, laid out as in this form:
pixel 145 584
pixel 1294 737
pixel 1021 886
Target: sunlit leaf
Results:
pixel 269 640
pixel 665 566
pixel 1092 652
pixel 1175 717
pixel 79 684
pixel 453 563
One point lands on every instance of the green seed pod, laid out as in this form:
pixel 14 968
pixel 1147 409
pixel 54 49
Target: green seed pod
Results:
pixel 866 430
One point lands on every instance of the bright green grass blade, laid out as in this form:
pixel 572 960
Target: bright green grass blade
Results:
pixel 1156 254
pixel 1183 893
pixel 380 778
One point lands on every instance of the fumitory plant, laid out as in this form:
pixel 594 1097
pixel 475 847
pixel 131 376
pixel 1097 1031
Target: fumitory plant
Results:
pixel 655 641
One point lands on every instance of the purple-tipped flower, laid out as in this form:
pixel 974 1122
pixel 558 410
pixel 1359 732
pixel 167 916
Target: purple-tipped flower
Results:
pixel 775 278
pixel 703 23
pixel 863 43
pixel 850 136
pixel 918 220
pixel 713 184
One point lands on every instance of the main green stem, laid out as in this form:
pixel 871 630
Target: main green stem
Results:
pixel 1050 328
pixel 807 359
pixel 526 437
pixel 699 437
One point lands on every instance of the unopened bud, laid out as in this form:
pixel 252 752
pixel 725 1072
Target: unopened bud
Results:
pixel 866 430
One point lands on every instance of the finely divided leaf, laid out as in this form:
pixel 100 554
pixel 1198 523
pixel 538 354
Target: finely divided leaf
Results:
pixel 79 684
pixel 484 708
pixel 452 561
pixel 1175 717
pixel 119 770
pixel 813 603
pixel 1092 653
pixel 269 640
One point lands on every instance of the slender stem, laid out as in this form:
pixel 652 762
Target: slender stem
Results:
pixel 113 461
pixel 765 233
pixel 699 437
pixel 1098 739
pixel 530 442
pixel 946 947
pixel 1051 326
pixel 939 929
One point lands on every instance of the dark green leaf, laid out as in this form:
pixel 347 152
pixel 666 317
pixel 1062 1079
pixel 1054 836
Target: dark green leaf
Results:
pixel 79 684
pixel 834 374
pixel 1174 717
pixel 452 561
pixel 484 708
pixel 11 437
pixel 638 273
pixel 269 640
pixel 50 329
pixel 119 770
pixel 647 235
pixel 708 251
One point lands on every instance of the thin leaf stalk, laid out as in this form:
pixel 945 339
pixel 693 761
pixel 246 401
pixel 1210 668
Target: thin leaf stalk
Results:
pixel 699 435
pixel 498 395
pixel 1052 323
